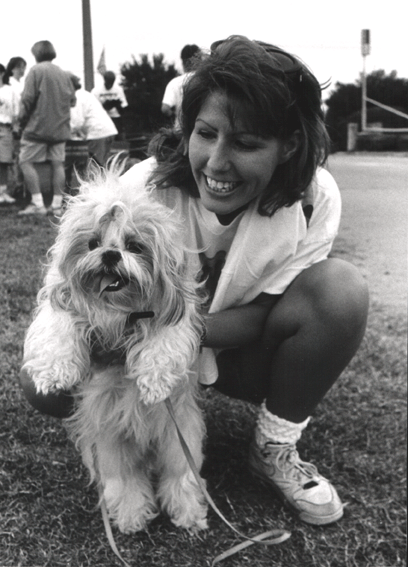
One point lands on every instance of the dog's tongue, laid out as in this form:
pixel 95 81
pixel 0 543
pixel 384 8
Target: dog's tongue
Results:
pixel 110 282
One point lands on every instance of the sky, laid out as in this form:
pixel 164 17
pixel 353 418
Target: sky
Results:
pixel 324 34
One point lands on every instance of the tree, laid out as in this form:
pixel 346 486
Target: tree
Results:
pixel 144 83
pixel 344 104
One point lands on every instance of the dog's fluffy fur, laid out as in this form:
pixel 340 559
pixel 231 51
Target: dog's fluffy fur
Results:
pixel 118 253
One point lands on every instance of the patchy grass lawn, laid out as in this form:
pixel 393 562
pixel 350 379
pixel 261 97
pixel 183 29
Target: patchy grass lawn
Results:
pixel 49 515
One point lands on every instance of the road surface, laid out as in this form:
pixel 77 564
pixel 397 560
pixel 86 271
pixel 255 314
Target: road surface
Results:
pixel 374 189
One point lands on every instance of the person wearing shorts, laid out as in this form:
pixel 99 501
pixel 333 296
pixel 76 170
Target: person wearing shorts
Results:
pixel 8 117
pixel 45 121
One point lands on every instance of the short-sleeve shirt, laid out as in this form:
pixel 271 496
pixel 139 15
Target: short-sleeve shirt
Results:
pixel 115 93
pixel 9 105
pixel 89 120
pixel 254 254
pixel 266 253
pixel 173 95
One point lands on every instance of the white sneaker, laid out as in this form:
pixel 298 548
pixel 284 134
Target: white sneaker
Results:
pixel 6 199
pixel 32 209
pixel 308 494
pixel 56 212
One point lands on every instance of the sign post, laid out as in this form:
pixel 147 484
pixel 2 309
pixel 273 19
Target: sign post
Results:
pixel 365 50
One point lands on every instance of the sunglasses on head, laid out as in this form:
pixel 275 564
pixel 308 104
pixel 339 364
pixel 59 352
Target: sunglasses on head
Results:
pixel 285 62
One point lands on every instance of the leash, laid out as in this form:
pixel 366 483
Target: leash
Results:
pixel 108 529
pixel 271 537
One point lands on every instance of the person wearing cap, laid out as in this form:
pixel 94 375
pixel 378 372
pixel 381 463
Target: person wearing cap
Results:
pixel 113 99
pixel 171 103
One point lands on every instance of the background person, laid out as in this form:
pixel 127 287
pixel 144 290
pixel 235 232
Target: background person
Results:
pixel 244 175
pixel 171 103
pixel 112 98
pixel 44 118
pixel 90 122
pixel 15 72
pixel 8 124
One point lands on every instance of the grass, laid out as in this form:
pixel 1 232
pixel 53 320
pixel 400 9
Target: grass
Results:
pixel 48 512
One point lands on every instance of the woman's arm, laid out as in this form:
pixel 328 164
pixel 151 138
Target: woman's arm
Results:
pixel 28 99
pixel 239 325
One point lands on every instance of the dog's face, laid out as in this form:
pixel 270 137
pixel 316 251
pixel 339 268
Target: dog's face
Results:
pixel 121 253
pixel 114 260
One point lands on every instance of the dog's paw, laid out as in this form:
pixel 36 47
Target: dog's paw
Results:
pixel 151 394
pixel 53 378
pixel 130 507
pixel 193 520
pixel 193 525
pixel 184 502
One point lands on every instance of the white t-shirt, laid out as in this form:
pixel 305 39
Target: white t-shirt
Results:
pixel 255 254
pixel 173 95
pixel 18 86
pixel 89 120
pixel 115 93
pixel 9 105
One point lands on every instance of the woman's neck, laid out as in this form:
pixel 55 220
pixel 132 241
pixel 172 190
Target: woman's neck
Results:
pixel 229 217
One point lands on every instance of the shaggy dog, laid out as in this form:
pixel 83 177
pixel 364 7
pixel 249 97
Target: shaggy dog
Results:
pixel 118 323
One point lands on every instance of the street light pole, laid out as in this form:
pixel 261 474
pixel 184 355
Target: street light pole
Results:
pixel 87 39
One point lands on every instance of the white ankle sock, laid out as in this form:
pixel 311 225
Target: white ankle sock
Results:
pixel 273 429
pixel 57 201
pixel 37 199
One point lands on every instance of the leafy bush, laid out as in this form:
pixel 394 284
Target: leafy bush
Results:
pixel 144 83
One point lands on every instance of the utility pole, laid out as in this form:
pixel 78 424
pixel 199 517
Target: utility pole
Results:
pixel 365 50
pixel 87 38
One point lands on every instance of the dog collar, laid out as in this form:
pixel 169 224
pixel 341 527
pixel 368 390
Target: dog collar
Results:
pixel 133 317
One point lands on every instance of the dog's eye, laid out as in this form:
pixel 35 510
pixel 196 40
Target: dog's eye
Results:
pixel 134 247
pixel 93 243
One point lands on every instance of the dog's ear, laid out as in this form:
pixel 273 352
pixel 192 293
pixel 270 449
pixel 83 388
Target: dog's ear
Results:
pixel 60 296
pixel 177 289
pixel 171 299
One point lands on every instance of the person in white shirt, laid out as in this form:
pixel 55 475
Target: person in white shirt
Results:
pixel 173 94
pixel 9 108
pixel 112 98
pixel 91 122
pixel 245 177
pixel 15 71
pixel 14 75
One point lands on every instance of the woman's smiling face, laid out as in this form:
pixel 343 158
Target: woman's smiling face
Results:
pixel 231 165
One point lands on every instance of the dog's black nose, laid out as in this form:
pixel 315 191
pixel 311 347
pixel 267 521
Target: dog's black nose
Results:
pixel 111 257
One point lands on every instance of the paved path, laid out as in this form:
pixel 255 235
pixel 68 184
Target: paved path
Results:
pixel 374 190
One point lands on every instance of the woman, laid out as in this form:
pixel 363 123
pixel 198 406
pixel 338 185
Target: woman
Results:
pixel 15 71
pixel 8 126
pixel 283 320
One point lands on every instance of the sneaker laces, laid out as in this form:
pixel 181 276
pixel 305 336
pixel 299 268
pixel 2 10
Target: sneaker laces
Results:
pixel 290 464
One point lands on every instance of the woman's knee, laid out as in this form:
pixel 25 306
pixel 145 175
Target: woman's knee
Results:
pixel 329 294
pixel 337 290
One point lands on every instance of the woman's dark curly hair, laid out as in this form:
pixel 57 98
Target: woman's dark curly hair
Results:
pixel 273 94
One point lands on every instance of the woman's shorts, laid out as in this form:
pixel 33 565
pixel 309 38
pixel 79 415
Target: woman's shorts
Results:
pixel 6 144
pixel 37 152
